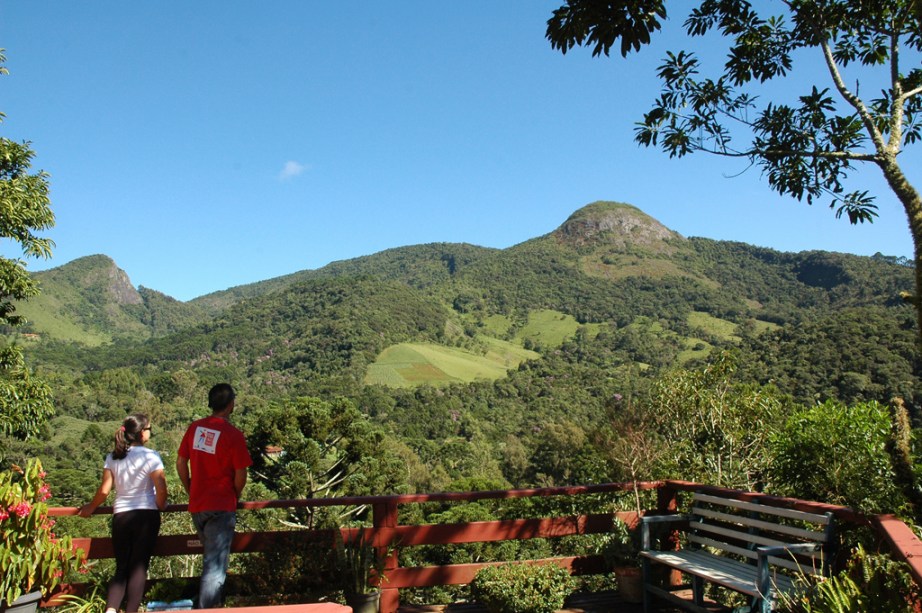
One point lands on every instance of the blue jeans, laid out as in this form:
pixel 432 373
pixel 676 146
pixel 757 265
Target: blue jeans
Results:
pixel 216 531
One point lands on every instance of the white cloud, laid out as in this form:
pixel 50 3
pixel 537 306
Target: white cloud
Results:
pixel 292 169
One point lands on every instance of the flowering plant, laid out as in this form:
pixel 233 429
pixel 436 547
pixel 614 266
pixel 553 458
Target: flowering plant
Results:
pixel 32 557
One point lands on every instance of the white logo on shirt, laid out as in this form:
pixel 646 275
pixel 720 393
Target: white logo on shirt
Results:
pixel 206 440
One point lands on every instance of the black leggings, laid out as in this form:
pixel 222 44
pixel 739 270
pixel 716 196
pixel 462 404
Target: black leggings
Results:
pixel 134 534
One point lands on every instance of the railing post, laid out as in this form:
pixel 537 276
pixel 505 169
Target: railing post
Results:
pixel 667 499
pixel 384 515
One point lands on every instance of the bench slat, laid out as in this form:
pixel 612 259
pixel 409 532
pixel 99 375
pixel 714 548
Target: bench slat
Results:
pixel 751 522
pixel 724 571
pixel 792 563
pixel 755 539
pixel 813 518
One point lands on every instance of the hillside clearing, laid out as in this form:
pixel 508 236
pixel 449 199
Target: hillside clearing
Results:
pixel 413 364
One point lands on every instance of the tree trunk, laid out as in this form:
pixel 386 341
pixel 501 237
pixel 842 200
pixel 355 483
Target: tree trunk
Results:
pixel 912 203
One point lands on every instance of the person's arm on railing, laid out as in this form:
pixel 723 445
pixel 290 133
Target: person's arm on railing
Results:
pixel 105 487
pixel 182 469
pixel 240 481
pixel 159 479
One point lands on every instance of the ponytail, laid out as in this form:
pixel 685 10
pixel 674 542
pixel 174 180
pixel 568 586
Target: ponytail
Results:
pixel 128 434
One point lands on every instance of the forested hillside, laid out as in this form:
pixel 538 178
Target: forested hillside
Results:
pixel 581 327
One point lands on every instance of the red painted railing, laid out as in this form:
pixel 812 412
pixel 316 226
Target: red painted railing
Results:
pixel 386 529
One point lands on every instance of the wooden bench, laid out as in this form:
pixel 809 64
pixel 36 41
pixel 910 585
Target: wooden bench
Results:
pixel 754 549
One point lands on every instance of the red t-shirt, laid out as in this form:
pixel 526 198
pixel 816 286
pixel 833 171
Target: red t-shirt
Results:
pixel 215 450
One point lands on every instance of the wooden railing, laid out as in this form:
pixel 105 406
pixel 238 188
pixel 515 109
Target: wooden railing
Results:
pixel 386 529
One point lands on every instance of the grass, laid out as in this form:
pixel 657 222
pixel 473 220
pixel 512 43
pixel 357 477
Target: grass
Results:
pixel 412 364
pixel 496 325
pixel 695 348
pixel 63 427
pixel 44 313
pixel 721 328
pixel 550 328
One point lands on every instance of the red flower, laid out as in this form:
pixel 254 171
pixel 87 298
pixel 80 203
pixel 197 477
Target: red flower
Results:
pixel 22 509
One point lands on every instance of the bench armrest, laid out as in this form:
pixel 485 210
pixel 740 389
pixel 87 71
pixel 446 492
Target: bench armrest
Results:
pixel 647 520
pixel 776 550
pixel 663 518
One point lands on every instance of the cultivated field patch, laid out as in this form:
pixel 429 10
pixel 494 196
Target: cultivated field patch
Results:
pixel 412 364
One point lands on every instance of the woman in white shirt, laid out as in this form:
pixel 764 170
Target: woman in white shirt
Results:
pixel 136 474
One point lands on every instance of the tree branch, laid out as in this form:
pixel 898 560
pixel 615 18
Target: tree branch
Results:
pixel 822 155
pixel 896 110
pixel 852 99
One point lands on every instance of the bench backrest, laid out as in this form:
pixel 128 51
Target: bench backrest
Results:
pixel 738 527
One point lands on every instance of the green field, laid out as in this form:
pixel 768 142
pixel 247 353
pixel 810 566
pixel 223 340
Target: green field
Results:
pixel 552 328
pixel 44 312
pixel 695 348
pixel 412 364
pixel 721 328
pixel 496 325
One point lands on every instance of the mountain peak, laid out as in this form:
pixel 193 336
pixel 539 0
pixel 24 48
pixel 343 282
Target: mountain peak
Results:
pixel 98 275
pixel 615 224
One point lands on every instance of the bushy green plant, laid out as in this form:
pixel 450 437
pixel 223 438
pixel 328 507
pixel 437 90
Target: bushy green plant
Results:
pixel 522 588
pixel 293 569
pixel 622 546
pixel 837 454
pixel 92 602
pixel 32 557
pixel 871 583
pixel 718 428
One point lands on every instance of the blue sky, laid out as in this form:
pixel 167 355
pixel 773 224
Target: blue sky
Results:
pixel 209 144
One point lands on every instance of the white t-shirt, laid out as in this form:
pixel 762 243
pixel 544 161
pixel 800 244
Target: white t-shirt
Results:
pixel 134 488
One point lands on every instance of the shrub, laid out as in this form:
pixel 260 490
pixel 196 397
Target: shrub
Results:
pixel 837 454
pixel 871 583
pixel 522 588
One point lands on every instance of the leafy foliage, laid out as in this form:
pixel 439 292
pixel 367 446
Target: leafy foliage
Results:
pixel 311 448
pixel 522 588
pixel 718 430
pixel 25 400
pixel 33 557
pixel 358 563
pixel 870 583
pixel 838 454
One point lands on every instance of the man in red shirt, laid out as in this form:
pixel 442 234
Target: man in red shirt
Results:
pixel 217 455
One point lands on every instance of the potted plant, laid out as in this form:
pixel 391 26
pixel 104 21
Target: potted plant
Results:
pixel 621 552
pixel 361 568
pixel 33 560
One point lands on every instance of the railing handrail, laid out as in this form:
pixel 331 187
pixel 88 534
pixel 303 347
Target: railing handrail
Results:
pixel 573 490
